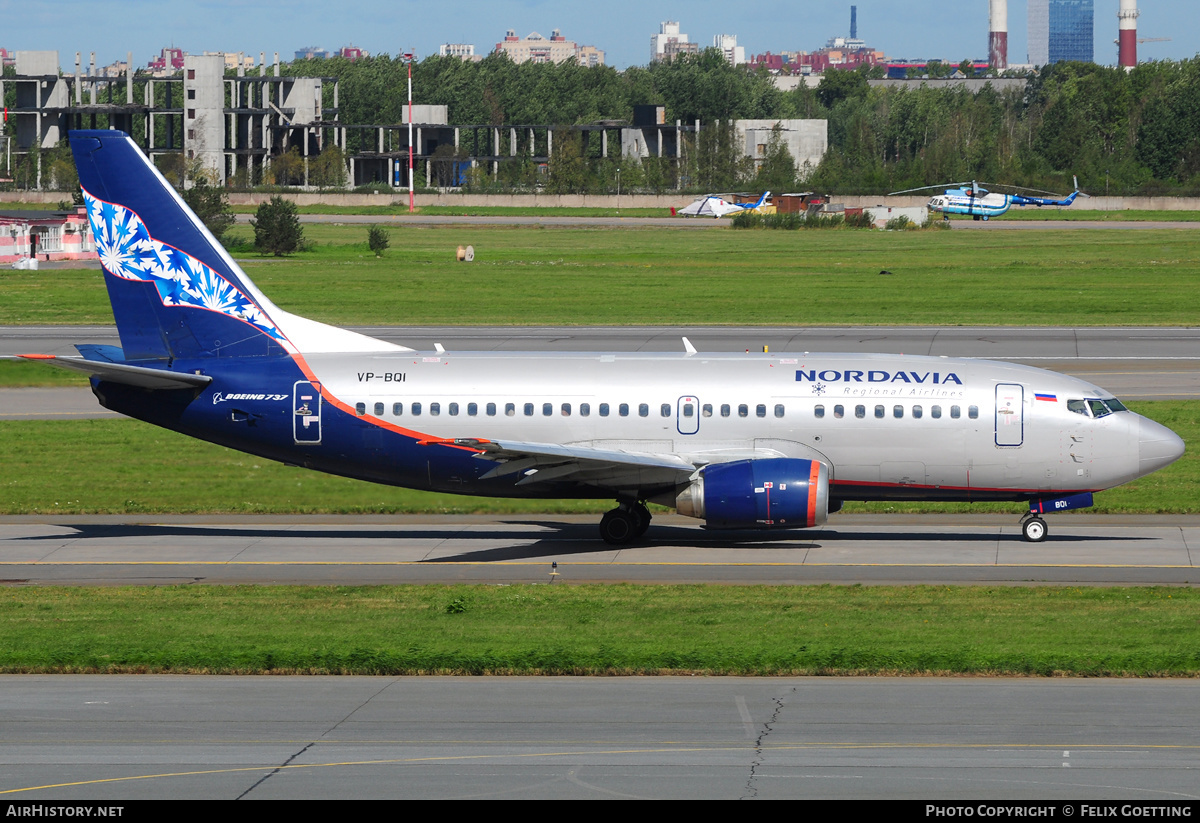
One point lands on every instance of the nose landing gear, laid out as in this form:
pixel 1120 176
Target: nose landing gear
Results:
pixel 1033 528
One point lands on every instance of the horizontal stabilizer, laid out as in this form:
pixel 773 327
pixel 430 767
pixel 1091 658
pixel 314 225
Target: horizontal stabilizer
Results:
pixel 139 376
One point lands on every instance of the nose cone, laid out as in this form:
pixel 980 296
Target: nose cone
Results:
pixel 1158 446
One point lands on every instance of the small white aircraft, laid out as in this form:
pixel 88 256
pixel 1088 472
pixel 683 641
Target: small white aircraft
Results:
pixel 715 205
pixel 740 441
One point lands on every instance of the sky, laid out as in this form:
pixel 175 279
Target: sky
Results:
pixel 944 29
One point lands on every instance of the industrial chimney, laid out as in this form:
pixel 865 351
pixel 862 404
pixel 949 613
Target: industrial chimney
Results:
pixel 1127 17
pixel 998 33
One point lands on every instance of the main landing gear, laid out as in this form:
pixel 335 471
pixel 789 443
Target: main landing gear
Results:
pixel 1033 528
pixel 625 523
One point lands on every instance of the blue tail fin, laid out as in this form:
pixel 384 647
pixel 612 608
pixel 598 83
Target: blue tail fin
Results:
pixel 175 291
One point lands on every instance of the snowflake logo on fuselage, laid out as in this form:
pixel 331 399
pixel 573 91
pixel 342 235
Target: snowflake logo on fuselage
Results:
pixel 818 388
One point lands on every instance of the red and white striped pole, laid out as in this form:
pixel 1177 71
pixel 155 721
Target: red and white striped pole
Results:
pixel 1127 28
pixel 408 57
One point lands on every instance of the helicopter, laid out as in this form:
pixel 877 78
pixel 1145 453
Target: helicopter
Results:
pixel 980 204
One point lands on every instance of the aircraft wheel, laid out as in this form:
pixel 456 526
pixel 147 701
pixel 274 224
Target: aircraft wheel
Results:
pixel 1034 530
pixel 986 216
pixel 618 527
pixel 643 518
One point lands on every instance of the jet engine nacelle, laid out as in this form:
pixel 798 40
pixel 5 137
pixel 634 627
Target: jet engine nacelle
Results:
pixel 776 493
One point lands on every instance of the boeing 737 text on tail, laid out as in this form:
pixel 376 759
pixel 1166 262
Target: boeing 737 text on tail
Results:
pixel 771 441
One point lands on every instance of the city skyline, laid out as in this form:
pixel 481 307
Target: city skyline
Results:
pixel 619 27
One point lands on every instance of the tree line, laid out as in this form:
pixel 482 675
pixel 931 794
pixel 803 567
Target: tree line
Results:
pixel 1135 132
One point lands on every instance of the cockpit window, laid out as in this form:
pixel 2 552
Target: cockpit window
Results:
pixel 1095 407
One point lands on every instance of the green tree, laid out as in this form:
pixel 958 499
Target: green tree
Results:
pixel 777 171
pixel 210 203
pixel 288 169
pixel 328 169
pixel 378 240
pixel 277 227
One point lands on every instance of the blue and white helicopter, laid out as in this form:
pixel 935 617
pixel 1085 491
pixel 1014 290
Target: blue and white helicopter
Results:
pixel 971 199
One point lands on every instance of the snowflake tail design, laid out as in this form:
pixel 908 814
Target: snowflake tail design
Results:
pixel 128 251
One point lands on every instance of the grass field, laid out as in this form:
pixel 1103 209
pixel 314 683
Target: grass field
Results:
pixel 630 276
pixel 590 630
pixel 116 466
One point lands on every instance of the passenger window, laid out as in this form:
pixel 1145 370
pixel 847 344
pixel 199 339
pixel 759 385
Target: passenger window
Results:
pixel 473 409
pixel 761 410
pixel 724 409
pixel 955 412
pixel 897 412
pixel 706 410
pixel 643 410
pixel 818 411
pixel 547 409
pixel 688 410
pixel 623 409
pixel 585 409
pixel 565 410
pixel 416 409
pixel 510 409
pixel 453 409
pixel 879 412
pixel 604 410
pixel 528 410
pixel 935 412
pixel 918 412
pixel 435 408
pixel 665 410
pixel 397 409
pixel 860 412
pixel 360 408
pixel 743 410
pixel 779 410
pixel 839 412
pixel 973 412
pixel 491 409
pixel 379 410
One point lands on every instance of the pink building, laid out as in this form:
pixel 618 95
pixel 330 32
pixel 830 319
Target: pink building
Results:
pixel 48 235
pixel 169 60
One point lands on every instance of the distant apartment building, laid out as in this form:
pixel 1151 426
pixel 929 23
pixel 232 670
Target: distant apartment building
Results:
pixel 7 58
pixel 466 51
pixel 311 53
pixel 352 52
pixel 1061 30
pixel 735 55
pixel 669 42
pixel 169 60
pixel 534 48
pixel 233 60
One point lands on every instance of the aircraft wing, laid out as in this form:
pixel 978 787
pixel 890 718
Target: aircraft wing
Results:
pixel 123 373
pixel 541 462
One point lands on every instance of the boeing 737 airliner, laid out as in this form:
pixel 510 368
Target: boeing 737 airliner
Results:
pixel 737 440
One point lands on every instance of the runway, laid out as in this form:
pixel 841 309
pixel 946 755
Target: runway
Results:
pixel 699 222
pixel 114 738
pixel 566 549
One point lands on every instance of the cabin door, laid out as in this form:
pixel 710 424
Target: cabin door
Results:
pixel 687 415
pixel 306 413
pixel 1010 414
